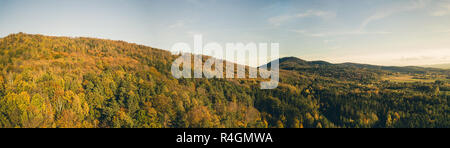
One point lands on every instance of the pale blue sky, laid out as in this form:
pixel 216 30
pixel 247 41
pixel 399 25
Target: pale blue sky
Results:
pixel 383 32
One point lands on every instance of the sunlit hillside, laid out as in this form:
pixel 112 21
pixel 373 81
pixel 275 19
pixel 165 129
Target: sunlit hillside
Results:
pixel 85 82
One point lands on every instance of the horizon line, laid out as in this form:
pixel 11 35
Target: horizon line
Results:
pixel 142 44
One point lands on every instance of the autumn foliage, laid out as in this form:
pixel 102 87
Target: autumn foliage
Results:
pixel 64 82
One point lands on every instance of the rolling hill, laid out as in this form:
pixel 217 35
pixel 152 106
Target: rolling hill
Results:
pixel 441 66
pixel 50 81
pixel 353 71
pixel 292 62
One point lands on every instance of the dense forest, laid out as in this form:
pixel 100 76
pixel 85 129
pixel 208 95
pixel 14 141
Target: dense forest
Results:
pixel 59 82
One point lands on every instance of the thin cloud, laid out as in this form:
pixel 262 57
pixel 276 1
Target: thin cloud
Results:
pixel 442 10
pixel 423 57
pixel 415 58
pixel 380 14
pixel 317 13
pixel 327 34
pixel 278 20
pixel 442 31
pixel 384 13
pixel 178 24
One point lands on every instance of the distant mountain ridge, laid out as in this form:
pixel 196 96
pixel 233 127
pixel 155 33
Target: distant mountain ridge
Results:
pixel 441 66
pixel 288 62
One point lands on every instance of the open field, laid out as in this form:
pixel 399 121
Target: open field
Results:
pixel 411 79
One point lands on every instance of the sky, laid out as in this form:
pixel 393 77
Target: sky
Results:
pixel 380 32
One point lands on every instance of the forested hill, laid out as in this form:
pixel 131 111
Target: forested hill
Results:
pixel 441 66
pixel 353 71
pixel 290 63
pixel 85 82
